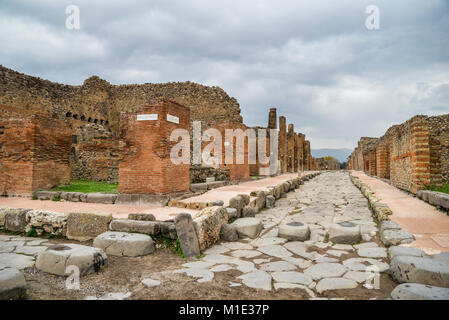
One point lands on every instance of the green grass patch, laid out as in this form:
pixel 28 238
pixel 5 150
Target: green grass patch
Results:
pixel 86 186
pixel 444 188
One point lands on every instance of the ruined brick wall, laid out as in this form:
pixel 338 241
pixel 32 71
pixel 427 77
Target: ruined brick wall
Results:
pixel 255 169
pixel 94 154
pixel 237 171
pixel 145 165
pixel 291 153
pixel 34 155
pixel 439 139
pixel 97 101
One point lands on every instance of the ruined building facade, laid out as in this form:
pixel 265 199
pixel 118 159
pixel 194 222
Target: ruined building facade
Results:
pixel 51 133
pixel 412 155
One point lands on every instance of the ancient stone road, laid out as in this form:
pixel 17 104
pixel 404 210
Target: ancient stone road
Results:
pixel 316 266
pixel 272 263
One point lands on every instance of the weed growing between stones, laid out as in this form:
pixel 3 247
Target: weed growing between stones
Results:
pixel 32 232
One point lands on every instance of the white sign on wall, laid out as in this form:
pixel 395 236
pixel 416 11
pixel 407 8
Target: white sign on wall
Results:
pixel 147 117
pixel 173 119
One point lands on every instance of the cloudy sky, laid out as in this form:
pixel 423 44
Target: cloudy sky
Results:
pixel 315 61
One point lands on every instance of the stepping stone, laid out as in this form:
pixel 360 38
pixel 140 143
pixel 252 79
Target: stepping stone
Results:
pixel 268 241
pixel 248 227
pixel 17 261
pixel 395 251
pixel 203 274
pixel 245 253
pixel 292 277
pixel 366 264
pixel 278 266
pixel 294 231
pixel 396 237
pixel 335 284
pixel 325 270
pixel 221 268
pixel 124 244
pixel 150 283
pixel 257 279
pixel 416 291
pixel 275 251
pixel 344 233
pixel 420 270
pixel 58 257
pixel 186 233
pixel 12 283
pixel 372 252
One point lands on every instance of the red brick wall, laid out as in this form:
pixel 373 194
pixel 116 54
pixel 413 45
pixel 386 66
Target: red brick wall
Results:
pixel 34 154
pixel 144 150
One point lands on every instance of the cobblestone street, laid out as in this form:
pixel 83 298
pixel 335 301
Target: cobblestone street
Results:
pixel 268 265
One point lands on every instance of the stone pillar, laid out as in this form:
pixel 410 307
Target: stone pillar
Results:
pixel 283 144
pixel 144 151
pixel 308 156
pixel 420 153
pixel 272 119
pixel 291 140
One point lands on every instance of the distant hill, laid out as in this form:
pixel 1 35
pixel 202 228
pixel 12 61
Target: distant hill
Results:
pixel 340 154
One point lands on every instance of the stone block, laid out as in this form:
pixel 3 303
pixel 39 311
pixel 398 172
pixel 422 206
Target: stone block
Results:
pixel 344 233
pixel 142 216
pixel 229 233
pixel 208 225
pixel 248 211
pixel 46 195
pixel 270 201
pixel 185 230
pixel 12 283
pixel 420 270
pixel 295 231
pixel 416 291
pixel 394 237
pixel 124 244
pixel 138 226
pixel 15 219
pixel 168 230
pixel 388 225
pixel 237 203
pixel 55 259
pixel 248 227
pixel 101 198
pixel 232 213
pixel 395 251
pixel 86 226
pixel 54 223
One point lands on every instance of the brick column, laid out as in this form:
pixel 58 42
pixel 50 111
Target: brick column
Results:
pixel 283 144
pixel 381 161
pixel 145 166
pixel 300 151
pixel 272 119
pixel 420 153
pixel 291 148
pixel 436 172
